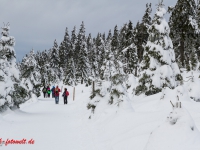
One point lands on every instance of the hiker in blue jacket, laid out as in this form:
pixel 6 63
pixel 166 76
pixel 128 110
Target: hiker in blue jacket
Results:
pixel 52 90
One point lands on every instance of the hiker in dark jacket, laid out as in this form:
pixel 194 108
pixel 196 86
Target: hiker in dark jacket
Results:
pixel 48 91
pixel 52 90
pixel 44 90
pixel 65 95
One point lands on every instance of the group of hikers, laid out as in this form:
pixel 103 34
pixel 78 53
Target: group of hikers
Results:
pixel 55 93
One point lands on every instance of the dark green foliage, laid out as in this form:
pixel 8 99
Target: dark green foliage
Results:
pixel 116 93
pixel 36 89
pixel 184 28
pixel 96 92
pixel 115 42
pixel 178 77
pixel 142 88
pixel 54 56
pixel 1 78
pixel 153 90
pixel 19 95
pixel 91 106
pixel 65 51
pixel 111 100
pixel 193 60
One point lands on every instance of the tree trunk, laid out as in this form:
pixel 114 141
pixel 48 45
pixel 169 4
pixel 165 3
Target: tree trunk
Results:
pixel 93 87
pixel 182 52
pixel 74 94
pixel 136 71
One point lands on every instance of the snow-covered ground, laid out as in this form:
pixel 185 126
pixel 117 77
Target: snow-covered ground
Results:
pixel 67 127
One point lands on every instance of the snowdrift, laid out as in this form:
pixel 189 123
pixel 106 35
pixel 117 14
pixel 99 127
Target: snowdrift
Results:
pixel 178 132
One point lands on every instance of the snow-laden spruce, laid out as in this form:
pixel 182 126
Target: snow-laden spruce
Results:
pixel 8 71
pixel 11 90
pixel 30 74
pixel 111 94
pixel 184 31
pixel 158 68
pixel 131 59
pixel 178 132
pixel 55 73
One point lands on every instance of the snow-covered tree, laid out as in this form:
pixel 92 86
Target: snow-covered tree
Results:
pixel 54 71
pixel 184 28
pixel 70 74
pixel 30 73
pixel 11 90
pixel 193 60
pixel 92 57
pixel 141 35
pixel 122 36
pixel 112 90
pixel 44 63
pixel 115 42
pixel 64 50
pixel 198 13
pixel 82 65
pixel 100 53
pixel 131 59
pixel 146 19
pixel 70 77
pixel 55 56
pixel 158 68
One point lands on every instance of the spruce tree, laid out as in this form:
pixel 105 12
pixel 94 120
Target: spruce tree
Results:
pixel 54 56
pixel 158 68
pixel 73 45
pixel 70 74
pixel 12 92
pixel 115 42
pixel 122 37
pixel 142 34
pixel 112 90
pixel 198 13
pixel 44 62
pixel 193 60
pixel 183 29
pixel 100 53
pixel 131 59
pixel 92 57
pixel 30 73
pixel 54 72
pixel 146 19
pixel 64 50
pixel 82 66
pixel 129 35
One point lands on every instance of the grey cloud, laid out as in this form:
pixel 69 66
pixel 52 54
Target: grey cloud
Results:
pixel 36 23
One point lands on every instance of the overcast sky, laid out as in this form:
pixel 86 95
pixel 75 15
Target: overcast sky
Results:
pixel 37 23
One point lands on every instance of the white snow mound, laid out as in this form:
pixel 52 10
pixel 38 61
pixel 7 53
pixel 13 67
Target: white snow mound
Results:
pixel 177 133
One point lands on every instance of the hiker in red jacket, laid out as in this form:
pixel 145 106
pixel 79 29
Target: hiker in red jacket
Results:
pixel 56 92
pixel 65 95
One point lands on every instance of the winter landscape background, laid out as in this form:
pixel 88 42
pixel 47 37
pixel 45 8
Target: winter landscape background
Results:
pixel 135 87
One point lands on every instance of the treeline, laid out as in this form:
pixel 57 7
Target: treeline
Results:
pixel 153 51
pixel 81 58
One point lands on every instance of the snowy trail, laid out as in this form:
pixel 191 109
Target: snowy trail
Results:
pixel 63 127
pixel 51 126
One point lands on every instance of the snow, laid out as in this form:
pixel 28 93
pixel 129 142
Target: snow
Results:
pixel 178 133
pixel 68 126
